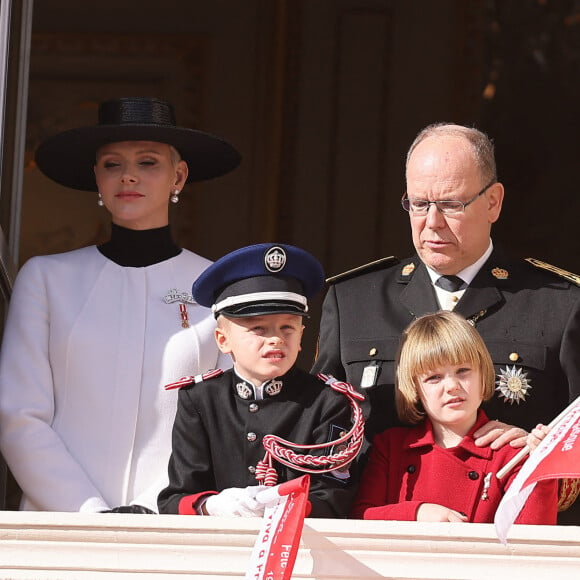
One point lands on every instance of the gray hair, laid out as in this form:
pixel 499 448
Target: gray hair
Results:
pixel 481 145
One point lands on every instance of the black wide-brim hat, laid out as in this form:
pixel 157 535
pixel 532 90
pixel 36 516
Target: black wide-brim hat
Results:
pixel 69 157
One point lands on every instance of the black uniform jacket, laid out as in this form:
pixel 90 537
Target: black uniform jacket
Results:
pixel 529 319
pixel 214 447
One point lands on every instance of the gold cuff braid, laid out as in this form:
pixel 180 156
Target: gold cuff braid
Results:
pixel 568 491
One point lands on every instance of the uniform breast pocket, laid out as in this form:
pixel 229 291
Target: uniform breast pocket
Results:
pixel 371 361
pixel 520 354
pixel 518 365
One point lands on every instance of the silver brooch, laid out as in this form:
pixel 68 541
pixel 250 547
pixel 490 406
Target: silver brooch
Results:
pixel 175 295
pixel 486 486
pixel 273 388
pixel 184 298
pixel 244 390
pixel 513 385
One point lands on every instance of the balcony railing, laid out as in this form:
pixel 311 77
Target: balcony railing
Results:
pixel 42 545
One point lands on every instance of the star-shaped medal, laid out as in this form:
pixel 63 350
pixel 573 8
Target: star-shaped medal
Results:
pixel 512 384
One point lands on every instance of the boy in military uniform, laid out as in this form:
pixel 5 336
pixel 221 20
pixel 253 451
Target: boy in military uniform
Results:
pixel 259 297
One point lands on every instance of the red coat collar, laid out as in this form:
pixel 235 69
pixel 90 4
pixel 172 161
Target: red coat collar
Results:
pixel 422 436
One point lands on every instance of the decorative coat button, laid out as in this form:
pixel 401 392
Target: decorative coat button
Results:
pixel 251 469
pixel 473 475
pixel 514 356
pixel 373 351
pixel 251 436
pixel 253 407
pixel 411 469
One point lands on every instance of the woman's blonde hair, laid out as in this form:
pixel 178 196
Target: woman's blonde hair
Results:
pixel 432 341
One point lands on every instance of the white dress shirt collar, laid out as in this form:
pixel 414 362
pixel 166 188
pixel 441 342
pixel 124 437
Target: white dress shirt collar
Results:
pixel 448 300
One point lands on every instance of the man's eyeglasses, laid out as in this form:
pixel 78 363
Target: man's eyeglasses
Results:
pixel 445 206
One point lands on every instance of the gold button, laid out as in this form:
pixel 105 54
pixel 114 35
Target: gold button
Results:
pixel 455 299
pixel 373 351
pixel 514 356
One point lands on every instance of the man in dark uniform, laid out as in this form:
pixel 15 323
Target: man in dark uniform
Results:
pixel 527 312
pixel 259 297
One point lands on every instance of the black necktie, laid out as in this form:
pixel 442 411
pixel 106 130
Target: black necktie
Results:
pixel 450 283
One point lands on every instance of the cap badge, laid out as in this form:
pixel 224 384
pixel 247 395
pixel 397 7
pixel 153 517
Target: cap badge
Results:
pixel 275 259
pixel 273 388
pixel 244 390
pixel 513 385
pixel 500 273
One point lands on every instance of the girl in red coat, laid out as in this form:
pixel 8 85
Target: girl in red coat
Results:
pixel 433 471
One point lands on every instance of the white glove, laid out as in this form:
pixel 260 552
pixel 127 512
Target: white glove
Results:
pixel 267 496
pixel 235 501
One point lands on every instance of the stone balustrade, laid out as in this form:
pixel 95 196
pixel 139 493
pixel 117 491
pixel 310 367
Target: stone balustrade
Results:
pixel 71 545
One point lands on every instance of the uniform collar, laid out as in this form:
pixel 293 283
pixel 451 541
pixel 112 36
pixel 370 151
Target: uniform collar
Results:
pixel 418 296
pixel 484 292
pixel 422 436
pixel 469 273
pixel 246 390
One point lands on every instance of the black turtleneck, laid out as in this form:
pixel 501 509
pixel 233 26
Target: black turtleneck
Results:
pixel 139 248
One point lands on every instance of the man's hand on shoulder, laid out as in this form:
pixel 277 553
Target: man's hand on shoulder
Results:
pixel 497 434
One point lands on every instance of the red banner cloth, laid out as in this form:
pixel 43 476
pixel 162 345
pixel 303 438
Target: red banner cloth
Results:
pixel 557 457
pixel 276 546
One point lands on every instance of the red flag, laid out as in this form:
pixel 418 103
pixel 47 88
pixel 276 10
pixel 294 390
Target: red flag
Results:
pixel 276 546
pixel 557 457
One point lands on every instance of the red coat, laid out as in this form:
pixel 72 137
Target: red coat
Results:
pixel 406 469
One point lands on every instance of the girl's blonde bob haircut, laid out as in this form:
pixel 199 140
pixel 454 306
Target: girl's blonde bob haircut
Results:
pixel 431 341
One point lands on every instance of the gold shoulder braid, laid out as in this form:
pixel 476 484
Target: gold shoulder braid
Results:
pixel 574 278
pixel 364 269
pixel 569 489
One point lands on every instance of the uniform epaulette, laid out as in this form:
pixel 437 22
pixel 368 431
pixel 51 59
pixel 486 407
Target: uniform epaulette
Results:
pixel 192 379
pixel 574 278
pixel 364 269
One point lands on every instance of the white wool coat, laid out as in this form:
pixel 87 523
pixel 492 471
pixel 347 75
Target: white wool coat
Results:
pixel 85 422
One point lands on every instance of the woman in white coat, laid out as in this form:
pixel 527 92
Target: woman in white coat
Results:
pixel 93 335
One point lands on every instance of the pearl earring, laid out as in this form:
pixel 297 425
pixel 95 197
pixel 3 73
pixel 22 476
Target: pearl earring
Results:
pixel 175 196
pixel 100 201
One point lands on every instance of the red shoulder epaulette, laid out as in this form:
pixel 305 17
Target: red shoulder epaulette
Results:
pixel 190 380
